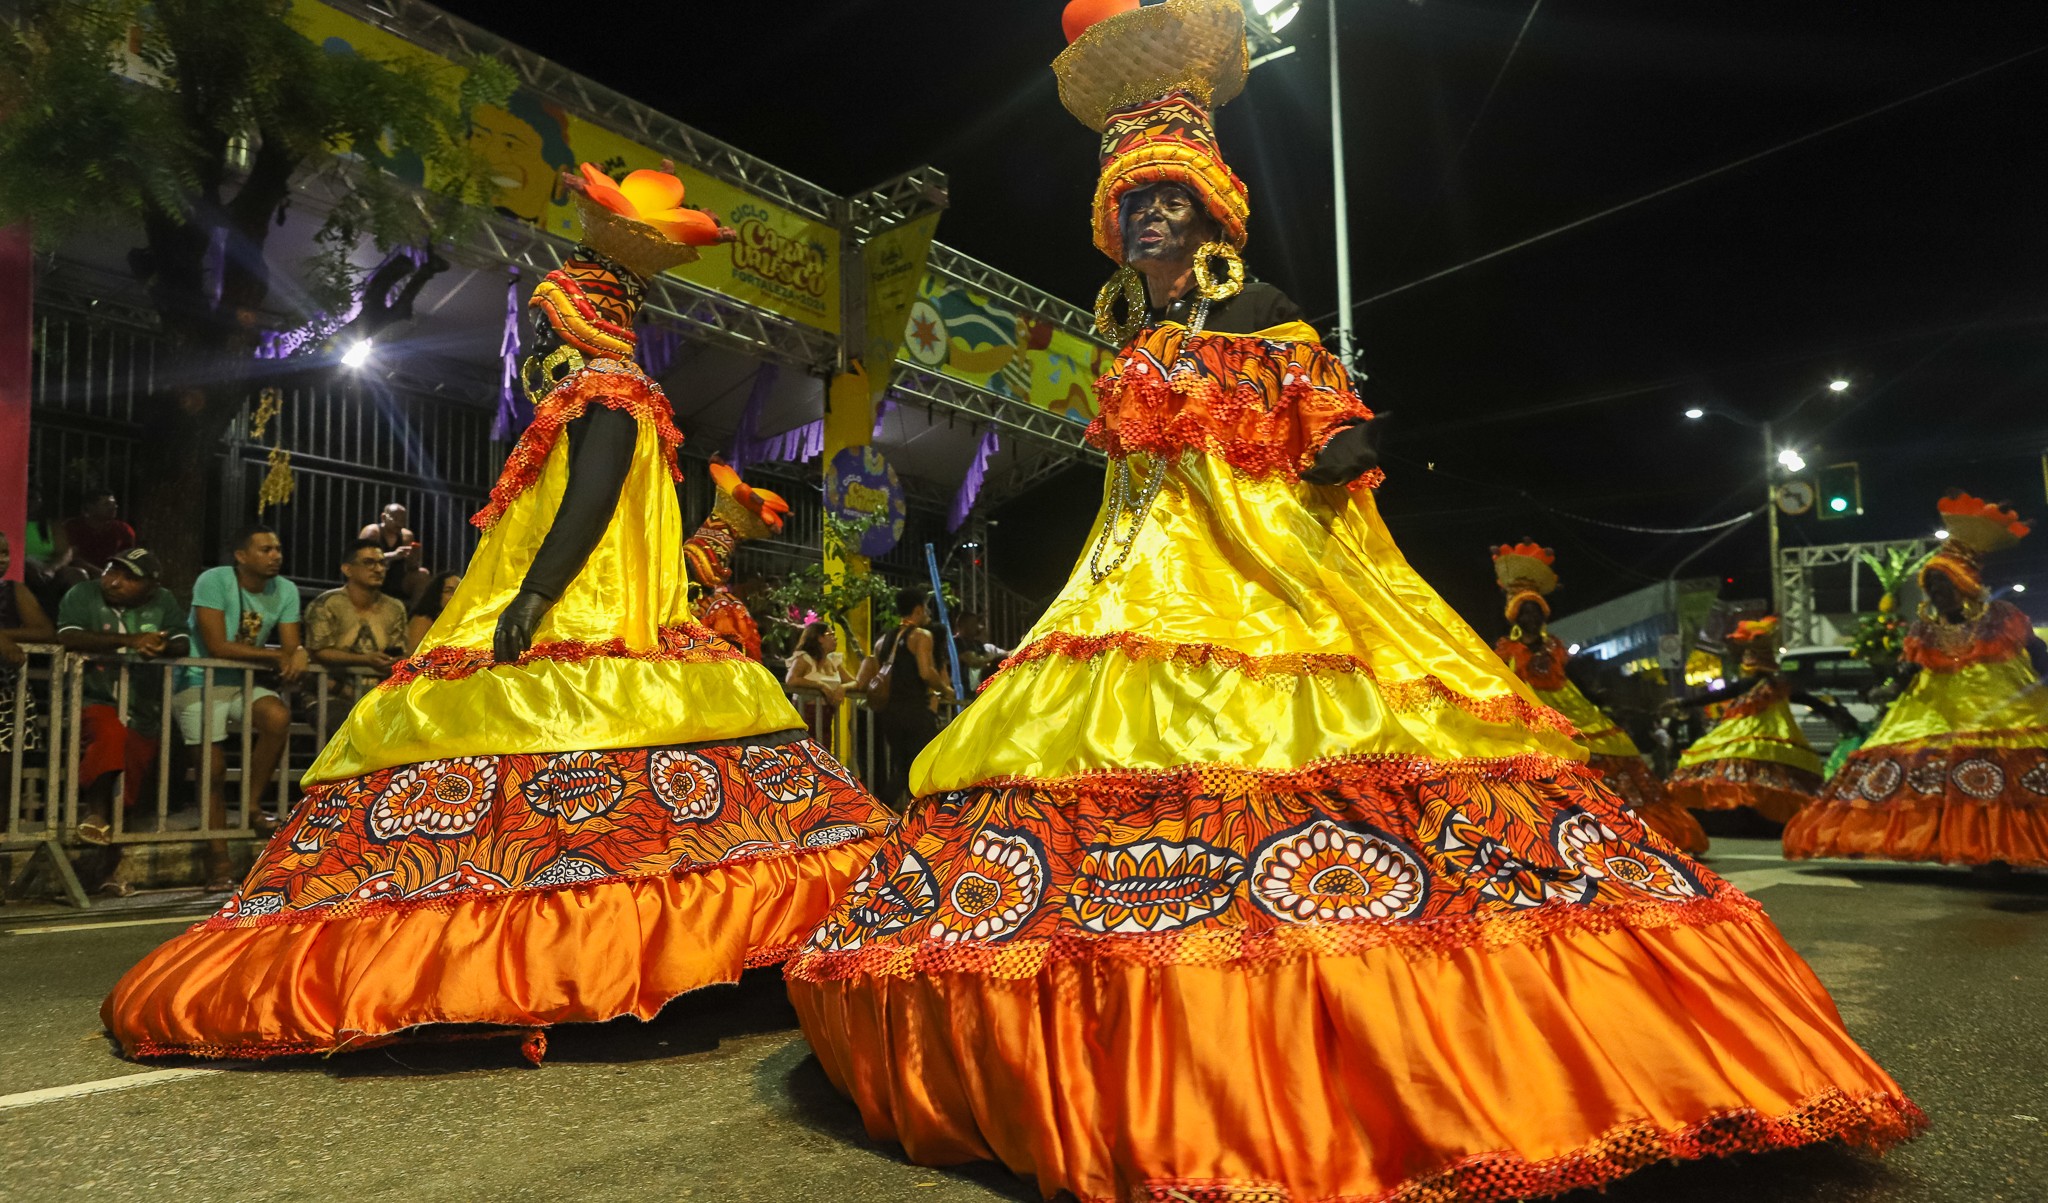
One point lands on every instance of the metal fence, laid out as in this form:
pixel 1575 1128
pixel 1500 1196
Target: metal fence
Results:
pixel 48 699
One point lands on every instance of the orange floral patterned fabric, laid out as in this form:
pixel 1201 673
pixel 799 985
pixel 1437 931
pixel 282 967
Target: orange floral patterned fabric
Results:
pixel 617 383
pixel 1001 878
pixel 477 826
pixel 1958 804
pixel 1265 406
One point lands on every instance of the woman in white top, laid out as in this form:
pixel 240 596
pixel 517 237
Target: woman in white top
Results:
pixel 815 665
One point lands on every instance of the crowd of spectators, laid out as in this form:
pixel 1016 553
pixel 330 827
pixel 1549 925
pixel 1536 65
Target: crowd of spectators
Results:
pixel 112 603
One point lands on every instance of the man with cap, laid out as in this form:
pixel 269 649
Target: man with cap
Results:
pixel 125 613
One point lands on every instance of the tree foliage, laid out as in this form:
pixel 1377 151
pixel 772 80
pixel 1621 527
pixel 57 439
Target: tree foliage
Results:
pixel 196 123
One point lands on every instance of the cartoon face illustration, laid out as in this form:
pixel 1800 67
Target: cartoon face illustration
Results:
pixel 527 148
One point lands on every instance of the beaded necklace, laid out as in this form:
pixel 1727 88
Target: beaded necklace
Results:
pixel 1121 504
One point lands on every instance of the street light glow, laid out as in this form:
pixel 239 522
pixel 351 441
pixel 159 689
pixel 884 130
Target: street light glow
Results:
pixel 1573 650
pixel 1941 534
pixel 1278 21
pixel 357 355
pixel 1791 460
pixel 2018 588
pixel 1695 413
pixel 1838 386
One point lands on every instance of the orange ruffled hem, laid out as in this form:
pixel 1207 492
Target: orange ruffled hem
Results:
pixel 1675 823
pixel 1777 805
pixel 1922 829
pixel 1471 1074
pixel 522 960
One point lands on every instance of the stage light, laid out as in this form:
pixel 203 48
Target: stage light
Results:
pixel 1695 413
pixel 357 355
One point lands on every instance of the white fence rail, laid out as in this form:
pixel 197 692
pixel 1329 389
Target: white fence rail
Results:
pixel 47 700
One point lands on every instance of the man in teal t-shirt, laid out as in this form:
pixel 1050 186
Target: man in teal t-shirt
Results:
pixel 236 609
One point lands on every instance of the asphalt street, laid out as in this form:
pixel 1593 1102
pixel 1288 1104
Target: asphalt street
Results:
pixel 1940 972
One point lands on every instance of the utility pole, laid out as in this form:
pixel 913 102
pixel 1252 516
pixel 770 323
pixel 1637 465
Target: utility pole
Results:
pixel 1771 514
pixel 1346 344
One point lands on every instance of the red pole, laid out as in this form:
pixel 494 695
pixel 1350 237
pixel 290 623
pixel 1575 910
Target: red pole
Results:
pixel 17 299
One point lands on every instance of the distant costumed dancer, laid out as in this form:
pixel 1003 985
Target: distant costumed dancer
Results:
pixel 1526 573
pixel 573 802
pixel 1958 769
pixel 739 512
pixel 1756 756
pixel 1254 874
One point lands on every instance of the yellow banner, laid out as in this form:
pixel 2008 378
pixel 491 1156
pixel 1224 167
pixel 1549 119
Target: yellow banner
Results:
pixel 894 260
pixel 975 338
pixel 783 262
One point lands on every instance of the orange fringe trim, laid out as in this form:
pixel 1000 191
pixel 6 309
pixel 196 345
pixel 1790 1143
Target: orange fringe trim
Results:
pixel 1282 403
pixel 623 387
pixel 1425 694
pixel 1254 949
pixel 2000 635
pixel 687 643
pixel 1874 1121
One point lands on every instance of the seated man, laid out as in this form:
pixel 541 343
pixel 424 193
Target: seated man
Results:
pixel 126 613
pixel 236 609
pixel 358 625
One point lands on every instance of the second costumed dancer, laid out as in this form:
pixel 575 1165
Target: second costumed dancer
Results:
pixel 574 802
pixel 1958 769
pixel 1526 574
pixel 1255 875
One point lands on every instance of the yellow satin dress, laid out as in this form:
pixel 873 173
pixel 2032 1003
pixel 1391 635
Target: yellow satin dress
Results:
pixel 1958 770
pixel 1255 874
pixel 627 813
pixel 1756 756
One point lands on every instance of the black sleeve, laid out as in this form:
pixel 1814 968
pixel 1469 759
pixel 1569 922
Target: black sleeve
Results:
pixel 600 455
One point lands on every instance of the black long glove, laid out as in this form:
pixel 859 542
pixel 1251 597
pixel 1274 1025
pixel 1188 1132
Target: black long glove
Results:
pixel 600 455
pixel 1348 454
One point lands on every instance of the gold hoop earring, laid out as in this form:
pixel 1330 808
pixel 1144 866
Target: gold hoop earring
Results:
pixel 1927 611
pixel 1515 632
pixel 1973 609
pixel 1128 284
pixel 1233 271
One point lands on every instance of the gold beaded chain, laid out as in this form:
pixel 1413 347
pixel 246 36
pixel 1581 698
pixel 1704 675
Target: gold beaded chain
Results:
pixel 1120 507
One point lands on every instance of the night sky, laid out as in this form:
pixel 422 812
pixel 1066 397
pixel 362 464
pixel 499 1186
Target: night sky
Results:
pixel 1905 252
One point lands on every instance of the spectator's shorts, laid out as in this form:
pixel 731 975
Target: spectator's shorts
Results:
pixel 227 705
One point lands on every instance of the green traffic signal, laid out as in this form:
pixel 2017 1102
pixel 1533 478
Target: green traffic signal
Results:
pixel 1840 487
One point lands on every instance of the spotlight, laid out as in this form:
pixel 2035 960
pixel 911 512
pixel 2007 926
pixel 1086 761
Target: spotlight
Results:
pixel 357 355
pixel 1695 413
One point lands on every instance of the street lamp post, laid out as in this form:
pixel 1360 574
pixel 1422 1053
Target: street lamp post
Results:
pixel 1339 201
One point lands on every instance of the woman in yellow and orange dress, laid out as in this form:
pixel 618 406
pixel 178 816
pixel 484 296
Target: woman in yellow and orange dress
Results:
pixel 1254 874
pixel 1526 573
pixel 1755 757
pixel 573 802
pixel 1958 769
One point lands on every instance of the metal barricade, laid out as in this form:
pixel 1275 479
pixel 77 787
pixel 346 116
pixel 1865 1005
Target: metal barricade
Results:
pixel 32 698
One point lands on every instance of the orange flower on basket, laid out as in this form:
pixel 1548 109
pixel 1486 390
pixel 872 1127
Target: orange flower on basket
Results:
pixel 654 198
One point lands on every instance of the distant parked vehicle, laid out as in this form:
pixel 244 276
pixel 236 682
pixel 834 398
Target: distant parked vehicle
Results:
pixel 1836 674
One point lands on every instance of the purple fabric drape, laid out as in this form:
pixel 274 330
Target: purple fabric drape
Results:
pixel 656 347
pixel 977 473
pixel 514 411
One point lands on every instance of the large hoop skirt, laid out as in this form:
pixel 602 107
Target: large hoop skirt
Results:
pixel 629 812
pixel 1255 875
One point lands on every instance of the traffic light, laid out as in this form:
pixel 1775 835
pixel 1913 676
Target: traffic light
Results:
pixel 1841 491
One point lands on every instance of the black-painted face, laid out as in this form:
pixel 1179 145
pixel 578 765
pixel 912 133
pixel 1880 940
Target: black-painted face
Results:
pixel 1529 616
pixel 1163 224
pixel 1943 593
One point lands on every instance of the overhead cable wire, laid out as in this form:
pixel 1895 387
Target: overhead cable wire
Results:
pixel 1703 176
pixel 1495 85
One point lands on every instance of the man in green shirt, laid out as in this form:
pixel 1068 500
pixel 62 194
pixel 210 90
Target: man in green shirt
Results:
pixel 126 613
